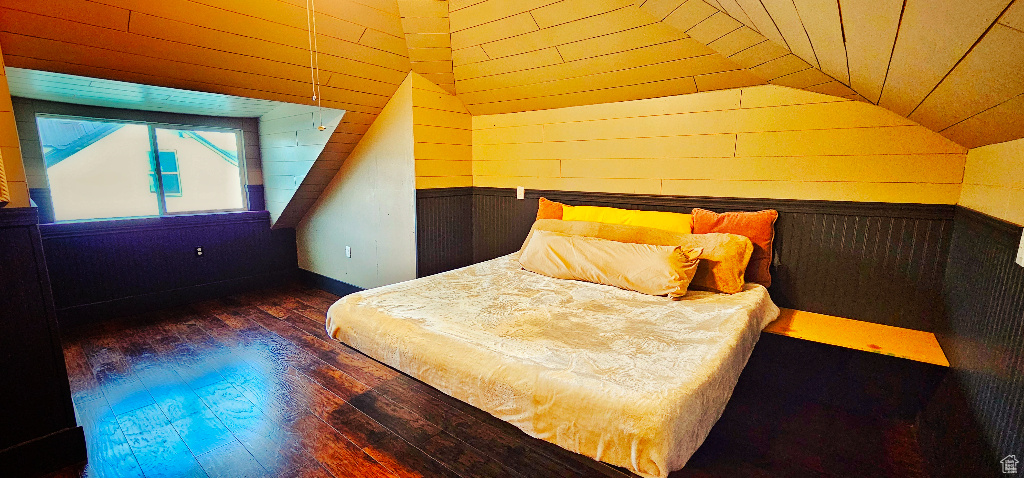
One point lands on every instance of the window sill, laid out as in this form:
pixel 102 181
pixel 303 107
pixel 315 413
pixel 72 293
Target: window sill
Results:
pixel 106 226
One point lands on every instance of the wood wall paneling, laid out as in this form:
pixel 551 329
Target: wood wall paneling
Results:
pixel 442 131
pixel 980 334
pixel 992 181
pixel 756 142
pixel 876 262
pixel 106 268
pixel 40 432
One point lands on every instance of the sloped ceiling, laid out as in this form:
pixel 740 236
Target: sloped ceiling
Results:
pixel 950 65
pixel 955 67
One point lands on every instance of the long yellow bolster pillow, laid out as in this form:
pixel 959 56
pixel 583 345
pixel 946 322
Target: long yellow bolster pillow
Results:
pixel 645 268
pixel 722 262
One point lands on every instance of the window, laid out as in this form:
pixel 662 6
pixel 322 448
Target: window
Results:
pixel 101 169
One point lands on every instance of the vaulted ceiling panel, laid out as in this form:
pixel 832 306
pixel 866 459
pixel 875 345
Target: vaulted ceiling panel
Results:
pixel 569 53
pixel 870 29
pixel 762 21
pixel 787 19
pixel 924 52
pixel 821 21
pixel 997 62
pixel 427 31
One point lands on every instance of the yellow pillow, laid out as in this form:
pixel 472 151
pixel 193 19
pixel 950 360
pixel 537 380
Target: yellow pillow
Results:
pixel 668 221
pixel 645 268
pixel 722 262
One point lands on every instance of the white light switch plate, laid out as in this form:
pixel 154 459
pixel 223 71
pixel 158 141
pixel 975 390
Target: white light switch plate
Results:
pixel 520 192
pixel 1020 251
pixel 348 252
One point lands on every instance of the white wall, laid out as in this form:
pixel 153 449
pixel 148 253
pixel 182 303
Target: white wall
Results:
pixel 370 205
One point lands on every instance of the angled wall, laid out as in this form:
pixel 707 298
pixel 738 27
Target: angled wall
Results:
pixel 369 206
pixel 760 142
pixel 994 181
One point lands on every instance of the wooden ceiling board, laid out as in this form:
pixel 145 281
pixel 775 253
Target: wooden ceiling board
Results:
pixel 787 19
pixel 1014 16
pixel 569 11
pixel 733 8
pixel 660 9
pixel 737 41
pixel 995 125
pixel 870 35
pixel 762 21
pixel 617 61
pixel 487 11
pixel 821 20
pixel 591 27
pixel 714 27
pixel 492 31
pixel 82 11
pixel 632 39
pixel 429 19
pixel 988 76
pixel 925 52
pixel 689 14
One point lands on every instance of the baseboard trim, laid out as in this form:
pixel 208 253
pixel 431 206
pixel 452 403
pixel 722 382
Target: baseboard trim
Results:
pixel 334 286
pixel 45 454
pixel 87 313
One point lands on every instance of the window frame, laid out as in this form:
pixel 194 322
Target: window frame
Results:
pixel 152 126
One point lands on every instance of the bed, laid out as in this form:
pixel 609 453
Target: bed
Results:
pixel 625 378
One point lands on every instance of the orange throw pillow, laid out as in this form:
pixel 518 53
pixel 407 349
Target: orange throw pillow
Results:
pixel 758 226
pixel 549 209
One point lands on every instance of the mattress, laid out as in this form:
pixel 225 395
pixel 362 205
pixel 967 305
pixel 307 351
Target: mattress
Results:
pixel 629 379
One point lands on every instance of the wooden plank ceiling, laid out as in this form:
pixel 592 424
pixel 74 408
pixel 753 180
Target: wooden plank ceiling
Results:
pixel 950 65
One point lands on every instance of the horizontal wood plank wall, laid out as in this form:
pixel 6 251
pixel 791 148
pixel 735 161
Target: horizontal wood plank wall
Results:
pixel 250 49
pixel 536 54
pixel 993 181
pixel 13 183
pixel 876 262
pixel 981 336
pixel 762 141
pixel 442 129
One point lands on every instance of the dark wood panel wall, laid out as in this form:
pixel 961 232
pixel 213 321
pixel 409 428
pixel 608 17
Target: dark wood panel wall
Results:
pixel 38 432
pixel 444 229
pixel 979 416
pixel 877 262
pixel 115 267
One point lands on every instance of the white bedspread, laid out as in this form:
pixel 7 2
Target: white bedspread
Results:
pixel 629 379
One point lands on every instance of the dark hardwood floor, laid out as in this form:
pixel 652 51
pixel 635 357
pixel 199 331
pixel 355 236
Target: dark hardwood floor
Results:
pixel 251 386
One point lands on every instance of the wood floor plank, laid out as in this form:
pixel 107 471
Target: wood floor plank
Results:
pixel 251 385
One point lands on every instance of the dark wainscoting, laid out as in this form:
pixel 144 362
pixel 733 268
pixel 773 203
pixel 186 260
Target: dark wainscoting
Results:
pixel 980 417
pixel 257 197
pixel 444 229
pixel 876 262
pixel 334 286
pixel 105 268
pixel 38 432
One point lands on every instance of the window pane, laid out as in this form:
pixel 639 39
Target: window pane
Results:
pixel 97 169
pixel 200 170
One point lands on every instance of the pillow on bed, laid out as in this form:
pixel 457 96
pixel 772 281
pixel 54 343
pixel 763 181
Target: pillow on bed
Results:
pixel 549 209
pixel 758 226
pixel 723 260
pixel 668 221
pixel 645 268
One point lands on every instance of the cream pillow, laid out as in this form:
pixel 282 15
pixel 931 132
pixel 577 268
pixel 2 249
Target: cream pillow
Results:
pixel 723 259
pixel 645 268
